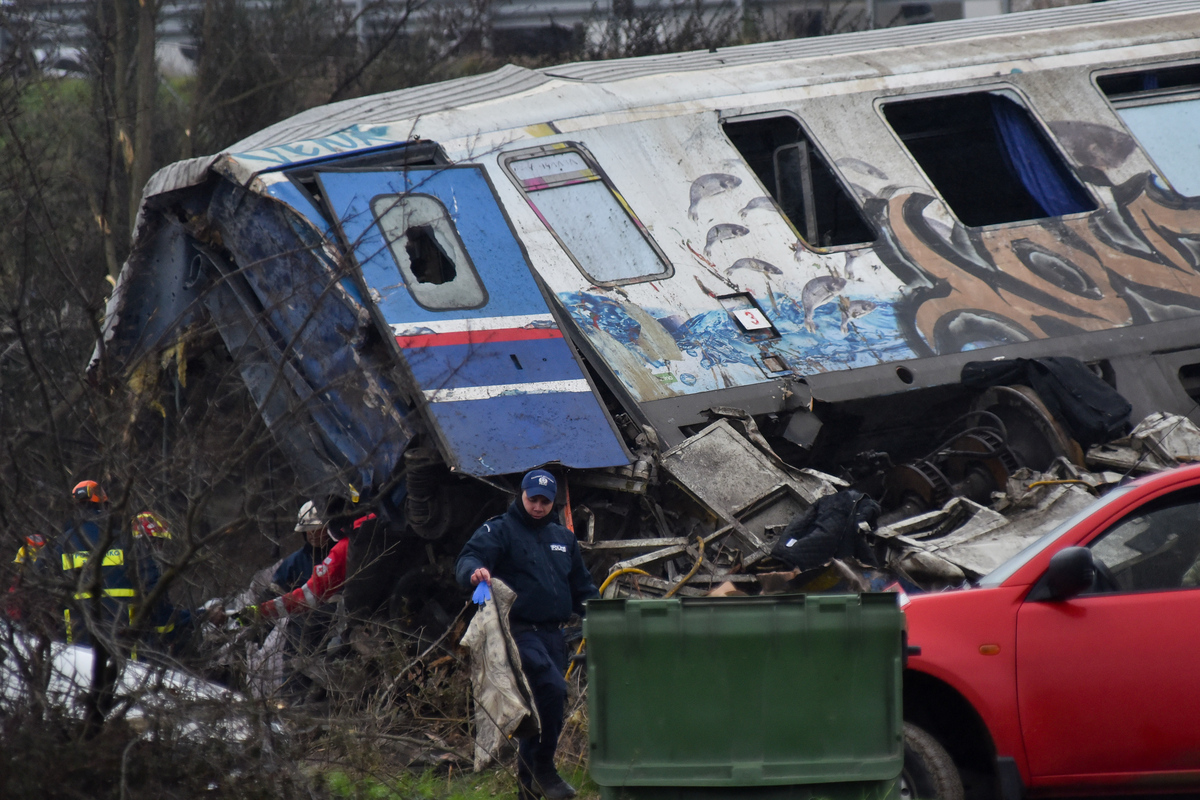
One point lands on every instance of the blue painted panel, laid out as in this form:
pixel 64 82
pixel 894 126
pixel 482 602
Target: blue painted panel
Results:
pixel 482 227
pixel 507 435
pixel 493 417
pixel 288 193
pixel 492 363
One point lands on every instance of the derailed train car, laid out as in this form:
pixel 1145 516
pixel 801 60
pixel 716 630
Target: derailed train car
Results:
pixel 587 265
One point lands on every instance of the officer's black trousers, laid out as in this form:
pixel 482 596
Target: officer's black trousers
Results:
pixel 544 660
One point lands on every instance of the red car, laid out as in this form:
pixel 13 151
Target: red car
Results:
pixel 1073 668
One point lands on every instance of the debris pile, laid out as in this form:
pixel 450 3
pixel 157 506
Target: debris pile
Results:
pixel 742 521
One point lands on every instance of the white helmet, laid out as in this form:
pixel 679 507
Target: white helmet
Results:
pixel 309 519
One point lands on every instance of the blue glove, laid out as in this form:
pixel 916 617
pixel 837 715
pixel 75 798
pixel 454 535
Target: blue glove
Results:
pixel 482 593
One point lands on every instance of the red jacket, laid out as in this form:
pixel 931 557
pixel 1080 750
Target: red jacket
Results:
pixel 326 581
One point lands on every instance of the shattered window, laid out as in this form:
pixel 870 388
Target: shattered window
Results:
pixel 431 258
pixel 586 214
pixel 1161 108
pixel 800 180
pixel 1157 547
pixel 987 157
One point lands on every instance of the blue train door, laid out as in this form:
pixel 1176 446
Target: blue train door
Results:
pixel 500 385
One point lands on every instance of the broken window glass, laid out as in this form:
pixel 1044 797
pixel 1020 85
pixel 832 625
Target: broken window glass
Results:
pixel 798 177
pixel 585 213
pixel 989 159
pixel 1161 108
pixel 429 254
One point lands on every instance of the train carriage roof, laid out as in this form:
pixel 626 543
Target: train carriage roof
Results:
pixel 1066 30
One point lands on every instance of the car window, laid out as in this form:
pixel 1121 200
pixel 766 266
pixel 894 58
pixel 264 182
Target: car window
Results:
pixel 1156 547
pixel 1009 568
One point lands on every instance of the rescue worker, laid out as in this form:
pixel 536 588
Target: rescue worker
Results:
pixel 326 579
pixel 293 571
pixel 73 551
pixel 16 604
pixel 540 560
pixel 167 624
pixel 305 630
pixel 126 571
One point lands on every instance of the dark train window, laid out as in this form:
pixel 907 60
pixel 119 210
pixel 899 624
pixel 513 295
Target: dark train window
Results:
pixel 989 159
pixel 800 181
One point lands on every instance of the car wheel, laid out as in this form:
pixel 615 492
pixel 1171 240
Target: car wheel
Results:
pixel 928 772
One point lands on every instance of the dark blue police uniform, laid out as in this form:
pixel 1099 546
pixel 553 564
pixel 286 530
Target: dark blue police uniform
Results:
pixel 541 562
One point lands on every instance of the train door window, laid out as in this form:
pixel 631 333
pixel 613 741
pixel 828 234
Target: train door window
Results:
pixel 428 252
pixel 989 159
pixel 586 214
pixel 800 180
pixel 1161 108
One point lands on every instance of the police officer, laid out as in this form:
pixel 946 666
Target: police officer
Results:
pixel 540 560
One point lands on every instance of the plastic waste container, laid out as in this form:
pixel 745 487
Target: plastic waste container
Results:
pixel 787 696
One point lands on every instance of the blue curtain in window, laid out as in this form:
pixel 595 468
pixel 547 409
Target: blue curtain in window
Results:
pixel 1028 157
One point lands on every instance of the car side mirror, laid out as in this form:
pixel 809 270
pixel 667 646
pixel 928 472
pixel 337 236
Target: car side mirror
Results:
pixel 1071 571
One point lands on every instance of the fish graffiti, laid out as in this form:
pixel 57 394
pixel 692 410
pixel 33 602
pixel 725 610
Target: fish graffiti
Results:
pixel 714 352
pixel 1132 261
pixel 754 265
pixel 817 293
pixel 721 232
pixel 709 185
pixel 852 310
pixel 759 203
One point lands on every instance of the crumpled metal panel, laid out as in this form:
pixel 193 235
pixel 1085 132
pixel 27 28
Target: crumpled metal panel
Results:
pixel 278 389
pixel 306 357
pixel 143 315
pixel 981 551
pixel 1170 438
pixel 728 473
pixel 987 538
pixel 740 483
pixel 179 175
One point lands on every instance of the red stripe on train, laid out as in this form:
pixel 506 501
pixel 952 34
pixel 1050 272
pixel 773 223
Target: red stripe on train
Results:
pixel 478 337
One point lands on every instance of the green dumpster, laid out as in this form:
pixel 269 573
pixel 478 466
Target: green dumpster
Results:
pixel 784 697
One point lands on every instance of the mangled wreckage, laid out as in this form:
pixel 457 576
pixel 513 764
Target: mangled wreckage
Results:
pixel 711 289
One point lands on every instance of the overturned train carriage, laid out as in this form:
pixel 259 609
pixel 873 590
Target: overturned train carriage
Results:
pixel 591 264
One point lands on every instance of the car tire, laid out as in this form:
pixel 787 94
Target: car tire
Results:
pixel 929 772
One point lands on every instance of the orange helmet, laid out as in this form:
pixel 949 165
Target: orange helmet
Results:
pixel 89 492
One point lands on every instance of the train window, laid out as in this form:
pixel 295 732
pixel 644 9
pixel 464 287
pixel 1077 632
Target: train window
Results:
pixel 1161 108
pixel 987 157
pixel 800 180
pixel 431 258
pixel 586 214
